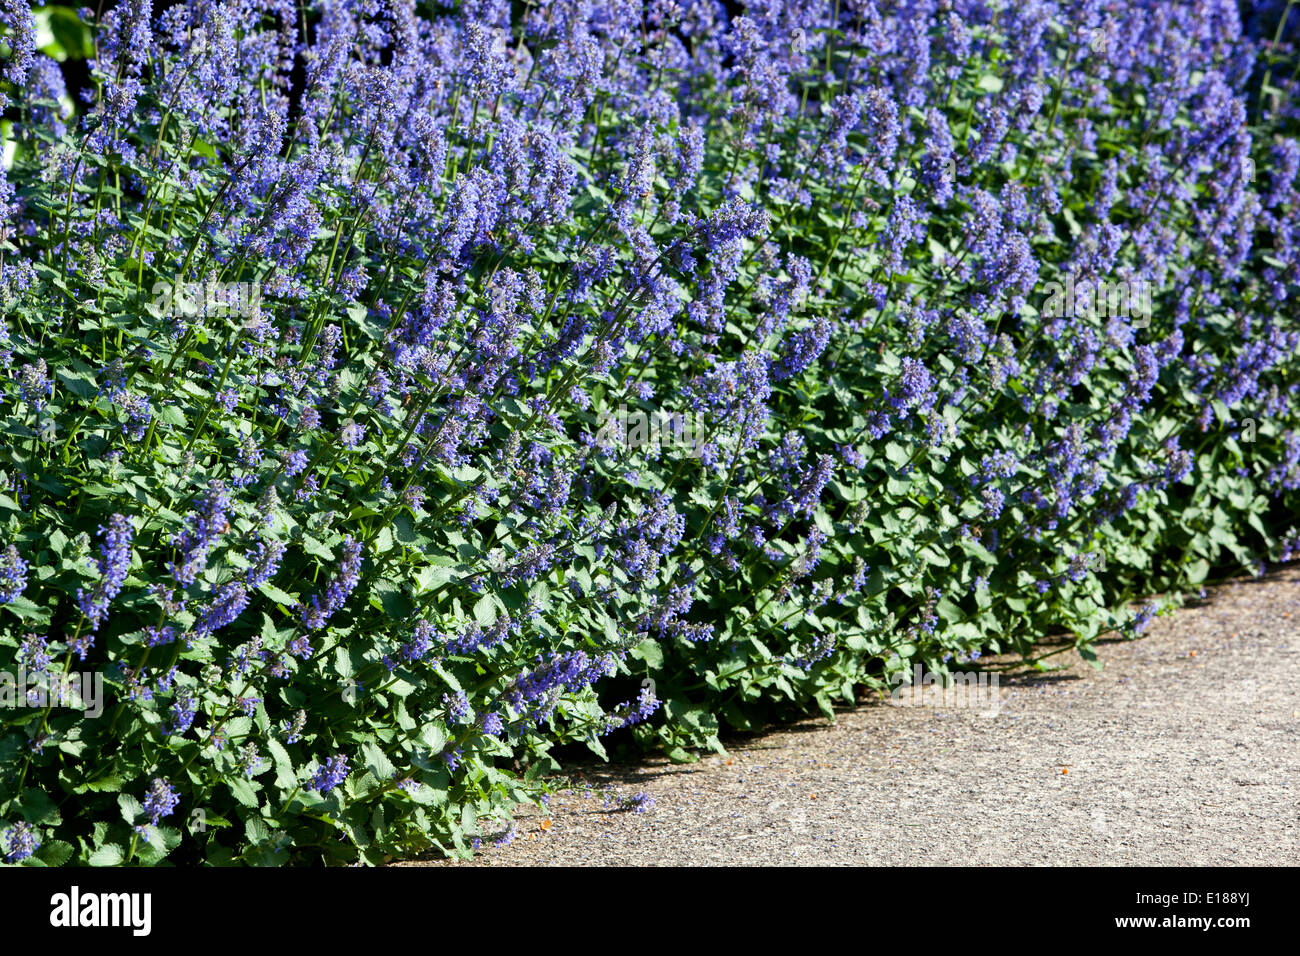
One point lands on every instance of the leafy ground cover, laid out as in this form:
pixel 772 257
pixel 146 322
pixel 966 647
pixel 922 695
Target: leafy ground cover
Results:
pixel 393 392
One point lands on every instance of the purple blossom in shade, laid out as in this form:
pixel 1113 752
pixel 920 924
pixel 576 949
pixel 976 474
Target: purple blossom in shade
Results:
pixel 332 773
pixel 113 564
pixel 136 681
pixel 1180 463
pixel 34 652
pixel 13 574
pixel 807 495
pixel 228 602
pixel 473 639
pixel 250 761
pixel 457 706
pixel 413 497
pixel 250 456
pixel 915 386
pixel 635 712
pixel 157 636
pixel 536 693
pixel 930 614
pixel 295 463
pixel 992 501
pixel 906 226
pixel 879 425
pixel 20 37
pixel 452 757
pixel 880 121
pixel 245 656
pixel 352 434
pixel 938 167
pixel 1143 618
pixel 805 347
pixel 277 667
pixel 307 490
pixel 267 505
pixel 163 683
pixel 534 561
pixel 345 579
pixel 639 802
pixel 35 384
pixel 521 190
pixel 184 708
pixel 160 800
pixel 1146 370
pixel 203 527
pixel 293 728
pixel 860 572
pixel 20 842
pixel 264 561
pixel 420 643
pixel 1079 565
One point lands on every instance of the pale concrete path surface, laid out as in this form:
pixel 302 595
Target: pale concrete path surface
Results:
pixel 1184 749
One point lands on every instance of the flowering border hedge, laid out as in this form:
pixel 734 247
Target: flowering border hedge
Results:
pixel 391 396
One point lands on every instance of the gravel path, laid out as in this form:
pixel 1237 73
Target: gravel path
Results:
pixel 1185 749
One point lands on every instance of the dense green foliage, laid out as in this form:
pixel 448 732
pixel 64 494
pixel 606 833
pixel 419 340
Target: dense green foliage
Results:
pixel 346 527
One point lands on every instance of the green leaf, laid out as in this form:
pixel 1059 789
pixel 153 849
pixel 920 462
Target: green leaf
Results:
pixel 108 855
pixel 109 784
pixel 55 853
pixel 242 790
pixel 377 762
pixel 650 652
pixel 485 610
pixel 283 598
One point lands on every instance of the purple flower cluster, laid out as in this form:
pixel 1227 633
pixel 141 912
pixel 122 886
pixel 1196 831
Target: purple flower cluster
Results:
pixel 947 301
pixel 345 579
pixel 330 774
pixel 13 574
pixel 113 565
pixel 204 526
pixel 21 842
pixel 160 800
